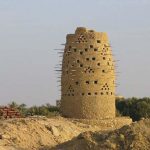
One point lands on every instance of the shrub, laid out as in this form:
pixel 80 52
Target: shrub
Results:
pixel 134 107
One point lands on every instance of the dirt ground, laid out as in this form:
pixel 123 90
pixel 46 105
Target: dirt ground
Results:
pixel 130 137
pixel 40 133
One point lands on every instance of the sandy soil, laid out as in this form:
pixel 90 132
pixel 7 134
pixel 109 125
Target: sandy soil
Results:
pixel 130 137
pixel 40 133
pixel 37 132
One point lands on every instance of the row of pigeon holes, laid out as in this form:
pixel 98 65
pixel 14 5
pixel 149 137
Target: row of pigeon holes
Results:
pixel 103 53
pixel 92 58
pixel 81 52
pixel 88 82
pixel 105 87
pixel 88 59
pixel 86 49
pixel 90 94
pixel 105 48
pixel 89 70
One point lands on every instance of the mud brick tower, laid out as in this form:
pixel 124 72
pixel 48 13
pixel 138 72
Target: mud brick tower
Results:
pixel 88 76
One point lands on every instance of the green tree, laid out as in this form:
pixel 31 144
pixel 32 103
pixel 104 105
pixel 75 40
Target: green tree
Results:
pixel 134 107
pixel 13 104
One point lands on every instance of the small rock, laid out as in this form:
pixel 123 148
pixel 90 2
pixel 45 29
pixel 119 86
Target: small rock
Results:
pixel 113 146
pixel 6 136
pixel 54 131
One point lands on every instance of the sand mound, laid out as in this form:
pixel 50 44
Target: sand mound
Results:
pixel 33 133
pixel 130 137
pixel 40 133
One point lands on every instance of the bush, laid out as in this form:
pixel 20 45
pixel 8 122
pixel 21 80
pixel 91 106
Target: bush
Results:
pixel 44 110
pixel 134 107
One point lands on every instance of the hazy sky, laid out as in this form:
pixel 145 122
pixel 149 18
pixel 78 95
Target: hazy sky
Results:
pixel 31 29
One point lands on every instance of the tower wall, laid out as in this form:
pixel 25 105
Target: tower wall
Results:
pixel 88 76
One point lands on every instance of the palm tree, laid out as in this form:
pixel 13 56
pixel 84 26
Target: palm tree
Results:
pixel 13 104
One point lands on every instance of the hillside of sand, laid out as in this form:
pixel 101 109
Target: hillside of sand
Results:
pixel 40 133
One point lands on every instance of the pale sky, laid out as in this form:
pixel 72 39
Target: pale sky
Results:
pixel 30 30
